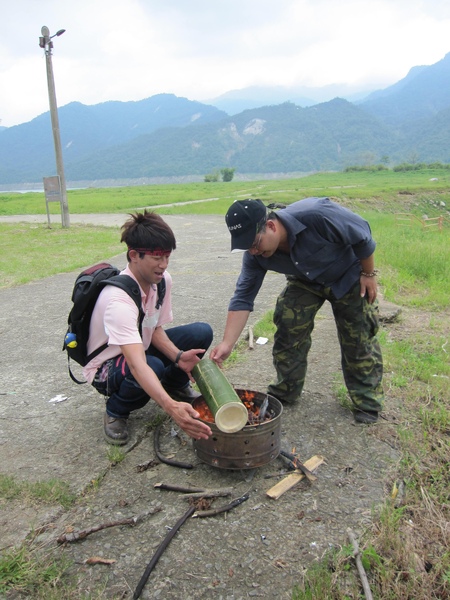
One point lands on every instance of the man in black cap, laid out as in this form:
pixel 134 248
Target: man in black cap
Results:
pixel 327 253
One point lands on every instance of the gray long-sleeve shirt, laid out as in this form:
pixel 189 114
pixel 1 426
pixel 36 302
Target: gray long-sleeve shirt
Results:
pixel 327 242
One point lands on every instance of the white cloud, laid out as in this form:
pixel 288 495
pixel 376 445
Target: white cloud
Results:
pixel 133 49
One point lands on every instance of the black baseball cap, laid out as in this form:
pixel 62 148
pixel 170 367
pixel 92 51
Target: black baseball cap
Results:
pixel 244 219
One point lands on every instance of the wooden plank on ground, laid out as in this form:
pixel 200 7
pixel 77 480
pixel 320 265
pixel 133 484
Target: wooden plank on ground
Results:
pixel 288 482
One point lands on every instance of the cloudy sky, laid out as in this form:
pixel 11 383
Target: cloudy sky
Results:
pixel 199 49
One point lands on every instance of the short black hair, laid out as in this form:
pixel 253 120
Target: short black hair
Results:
pixel 147 230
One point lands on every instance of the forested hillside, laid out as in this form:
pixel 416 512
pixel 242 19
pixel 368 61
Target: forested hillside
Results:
pixel 166 136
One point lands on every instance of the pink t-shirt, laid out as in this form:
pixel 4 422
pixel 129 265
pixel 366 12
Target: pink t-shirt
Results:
pixel 115 320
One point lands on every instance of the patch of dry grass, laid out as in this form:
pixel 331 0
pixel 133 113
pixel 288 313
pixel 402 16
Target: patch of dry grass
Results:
pixel 406 551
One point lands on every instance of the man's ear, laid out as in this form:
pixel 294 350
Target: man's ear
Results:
pixel 270 224
pixel 133 255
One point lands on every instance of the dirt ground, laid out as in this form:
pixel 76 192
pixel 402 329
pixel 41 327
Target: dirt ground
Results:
pixel 257 550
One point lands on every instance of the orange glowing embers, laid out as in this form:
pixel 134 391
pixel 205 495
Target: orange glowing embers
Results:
pixel 247 399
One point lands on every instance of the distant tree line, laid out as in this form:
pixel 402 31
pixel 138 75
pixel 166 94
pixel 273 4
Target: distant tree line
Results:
pixel 356 168
pixel 226 174
pixel 420 166
pixel 398 168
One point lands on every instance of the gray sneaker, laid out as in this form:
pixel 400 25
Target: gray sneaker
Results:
pixel 116 431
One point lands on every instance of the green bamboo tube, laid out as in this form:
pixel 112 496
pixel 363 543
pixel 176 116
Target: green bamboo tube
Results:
pixel 230 414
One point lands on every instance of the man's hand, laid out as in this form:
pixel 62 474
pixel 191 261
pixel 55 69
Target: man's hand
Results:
pixel 220 353
pixel 368 288
pixel 186 417
pixel 235 324
pixel 189 359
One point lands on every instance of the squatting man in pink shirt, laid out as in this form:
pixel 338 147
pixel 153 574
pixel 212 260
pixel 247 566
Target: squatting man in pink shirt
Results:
pixel 158 365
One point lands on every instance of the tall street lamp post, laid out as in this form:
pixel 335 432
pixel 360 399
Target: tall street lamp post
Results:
pixel 45 42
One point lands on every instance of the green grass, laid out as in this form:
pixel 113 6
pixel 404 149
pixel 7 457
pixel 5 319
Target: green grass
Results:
pixel 125 199
pixel 32 572
pixel 30 252
pixel 29 574
pixel 115 455
pixel 317 583
pixel 47 492
pixel 414 262
pixel 265 327
pixel 361 189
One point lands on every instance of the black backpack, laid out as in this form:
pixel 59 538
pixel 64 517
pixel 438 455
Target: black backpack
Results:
pixel 86 290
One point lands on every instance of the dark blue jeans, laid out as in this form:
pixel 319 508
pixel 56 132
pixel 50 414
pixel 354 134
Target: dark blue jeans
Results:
pixel 115 380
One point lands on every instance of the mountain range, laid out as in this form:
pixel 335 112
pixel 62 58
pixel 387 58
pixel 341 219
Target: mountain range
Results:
pixel 168 136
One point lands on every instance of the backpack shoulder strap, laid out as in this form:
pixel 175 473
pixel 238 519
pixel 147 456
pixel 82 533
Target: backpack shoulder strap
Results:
pixel 161 293
pixel 128 285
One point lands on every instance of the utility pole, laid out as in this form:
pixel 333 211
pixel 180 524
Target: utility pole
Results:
pixel 45 42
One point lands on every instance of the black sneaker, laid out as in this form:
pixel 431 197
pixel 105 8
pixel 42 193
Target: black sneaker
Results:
pixel 365 416
pixel 186 394
pixel 116 431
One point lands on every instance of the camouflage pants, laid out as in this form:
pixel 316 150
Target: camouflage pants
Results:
pixel 357 326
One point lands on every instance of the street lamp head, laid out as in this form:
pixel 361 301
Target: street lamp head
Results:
pixel 46 40
pixel 46 33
